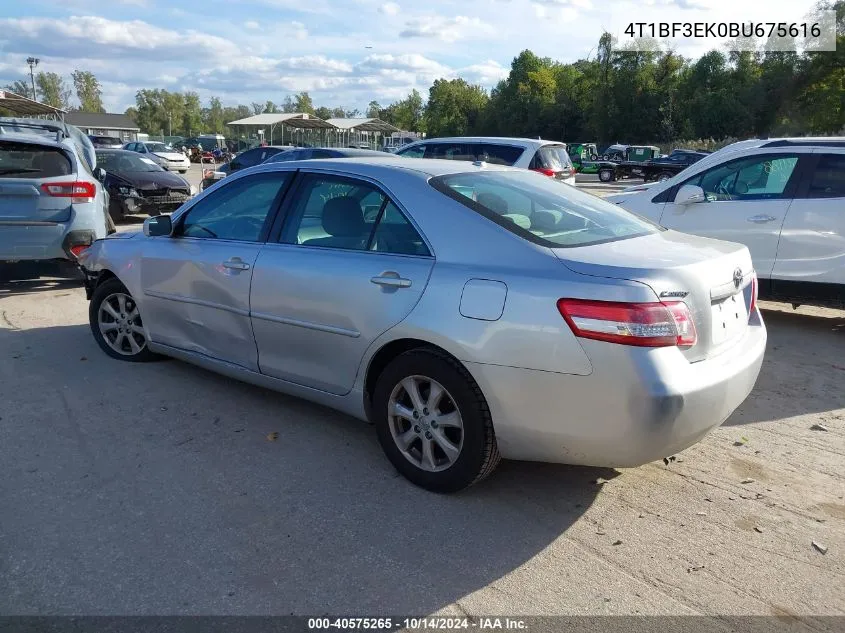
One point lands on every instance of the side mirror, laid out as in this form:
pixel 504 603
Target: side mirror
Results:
pixel 157 226
pixel 690 194
pixel 99 173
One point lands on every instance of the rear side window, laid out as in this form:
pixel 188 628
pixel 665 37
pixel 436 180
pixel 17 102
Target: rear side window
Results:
pixel 498 154
pixel 554 157
pixel 22 160
pixel 449 151
pixel 828 179
pixel 541 210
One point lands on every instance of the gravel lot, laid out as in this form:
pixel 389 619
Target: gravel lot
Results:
pixel 154 489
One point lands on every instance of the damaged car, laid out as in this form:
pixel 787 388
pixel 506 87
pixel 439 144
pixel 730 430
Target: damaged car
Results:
pixel 137 185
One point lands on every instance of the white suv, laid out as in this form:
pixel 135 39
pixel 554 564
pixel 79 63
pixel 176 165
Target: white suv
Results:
pixel 546 157
pixel 783 198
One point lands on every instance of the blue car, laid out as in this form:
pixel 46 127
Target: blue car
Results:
pixel 52 205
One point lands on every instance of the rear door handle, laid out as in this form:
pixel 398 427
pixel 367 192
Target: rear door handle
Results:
pixel 236 263
pixel 761 219
pixel 391 279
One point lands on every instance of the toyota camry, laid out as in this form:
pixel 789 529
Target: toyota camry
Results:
pixel 469 311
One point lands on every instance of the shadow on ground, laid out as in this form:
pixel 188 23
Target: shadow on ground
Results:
pixel 798 344
pixel 155 489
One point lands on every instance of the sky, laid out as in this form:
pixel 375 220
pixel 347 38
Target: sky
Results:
pixel 343 52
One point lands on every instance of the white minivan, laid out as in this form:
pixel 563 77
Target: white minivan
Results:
pixel 546 157
pixel 783 198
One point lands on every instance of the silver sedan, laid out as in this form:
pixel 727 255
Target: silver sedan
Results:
pixel 470 312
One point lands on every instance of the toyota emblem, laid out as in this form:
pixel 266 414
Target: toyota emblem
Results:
pixel 738 277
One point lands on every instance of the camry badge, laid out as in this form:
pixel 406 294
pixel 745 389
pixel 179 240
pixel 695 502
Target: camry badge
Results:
pixel 673 294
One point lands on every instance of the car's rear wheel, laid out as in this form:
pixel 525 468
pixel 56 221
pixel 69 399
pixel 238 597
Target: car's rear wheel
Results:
pixel 116 323
pixel 433 422
pixel 664 175
pixel 605 175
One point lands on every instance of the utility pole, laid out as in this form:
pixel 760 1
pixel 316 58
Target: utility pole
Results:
pixel 170 123
pixel 33 62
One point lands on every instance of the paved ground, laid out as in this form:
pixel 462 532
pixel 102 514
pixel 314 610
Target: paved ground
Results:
pixel 153 489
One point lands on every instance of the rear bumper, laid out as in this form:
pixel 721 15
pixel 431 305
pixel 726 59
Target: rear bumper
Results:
pixel 637 406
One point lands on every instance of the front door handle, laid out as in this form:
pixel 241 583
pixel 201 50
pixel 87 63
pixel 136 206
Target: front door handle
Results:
pixel 761 219
pixel 391 279
pixel 236 263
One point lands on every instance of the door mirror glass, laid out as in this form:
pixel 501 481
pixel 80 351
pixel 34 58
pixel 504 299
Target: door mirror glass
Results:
pixel 99 173
pixel 690 194
pixel 157 226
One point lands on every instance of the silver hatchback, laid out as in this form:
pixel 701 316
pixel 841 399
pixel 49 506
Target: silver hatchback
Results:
pixel 470 312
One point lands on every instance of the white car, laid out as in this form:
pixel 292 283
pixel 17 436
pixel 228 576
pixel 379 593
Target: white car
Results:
pixel 783 198
pixel 546 157
pixel 166 157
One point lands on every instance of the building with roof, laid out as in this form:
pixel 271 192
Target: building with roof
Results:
pixel 105 124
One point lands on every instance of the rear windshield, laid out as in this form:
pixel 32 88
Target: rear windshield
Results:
pixel 542 210
pixel 104 139
pixel 23 160
pixel 554 157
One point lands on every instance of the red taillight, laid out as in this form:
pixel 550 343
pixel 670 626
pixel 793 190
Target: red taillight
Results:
pixel 79 191
pixel 641 324
pixel 78 249
pixel 754 292
pixel 544 171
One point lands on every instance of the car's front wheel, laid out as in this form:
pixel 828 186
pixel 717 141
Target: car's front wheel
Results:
pixel 433 422
pixel 116 323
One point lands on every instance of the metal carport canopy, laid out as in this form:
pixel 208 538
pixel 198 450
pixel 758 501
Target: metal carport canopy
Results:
pixel 296 120
pixel 363 125
pixel 24 106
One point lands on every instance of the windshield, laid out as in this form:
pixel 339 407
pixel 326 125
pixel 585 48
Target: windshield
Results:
pixel 125 162
pixel 158 147
pixel 542 210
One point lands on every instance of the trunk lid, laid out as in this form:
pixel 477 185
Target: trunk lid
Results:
pixel 699 271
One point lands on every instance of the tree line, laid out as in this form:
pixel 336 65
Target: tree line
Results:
pixel 617 94
pixel 52 89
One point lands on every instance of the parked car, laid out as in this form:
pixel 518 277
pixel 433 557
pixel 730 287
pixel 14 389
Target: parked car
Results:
pixel 322 152
pixel 136 184
pixel 783 198
pixel 105 142
pixel 664 167
pixel 469 311
pixel 248 158
pixel 51 205
pixel 167 157
pixel 546 157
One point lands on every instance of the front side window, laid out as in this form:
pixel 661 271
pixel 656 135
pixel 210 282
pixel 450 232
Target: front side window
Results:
pixel 828 178
pixel 238 210
pixel 344 213
pixel 540 210
pixel 754 178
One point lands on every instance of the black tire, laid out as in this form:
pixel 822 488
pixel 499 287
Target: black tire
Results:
pixel 103 291
pixel 117 210
pixel 593 157
pixel 154 212
pixel 606 175
pixel 664 175
pixel 479 454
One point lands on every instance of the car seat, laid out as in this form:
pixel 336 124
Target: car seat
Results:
pixel 344 221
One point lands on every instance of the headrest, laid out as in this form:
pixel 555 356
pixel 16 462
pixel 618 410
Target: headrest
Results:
pixel 342 217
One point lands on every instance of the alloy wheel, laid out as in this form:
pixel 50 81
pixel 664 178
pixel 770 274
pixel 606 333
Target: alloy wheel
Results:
pixel 425 423
pixel 120 324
